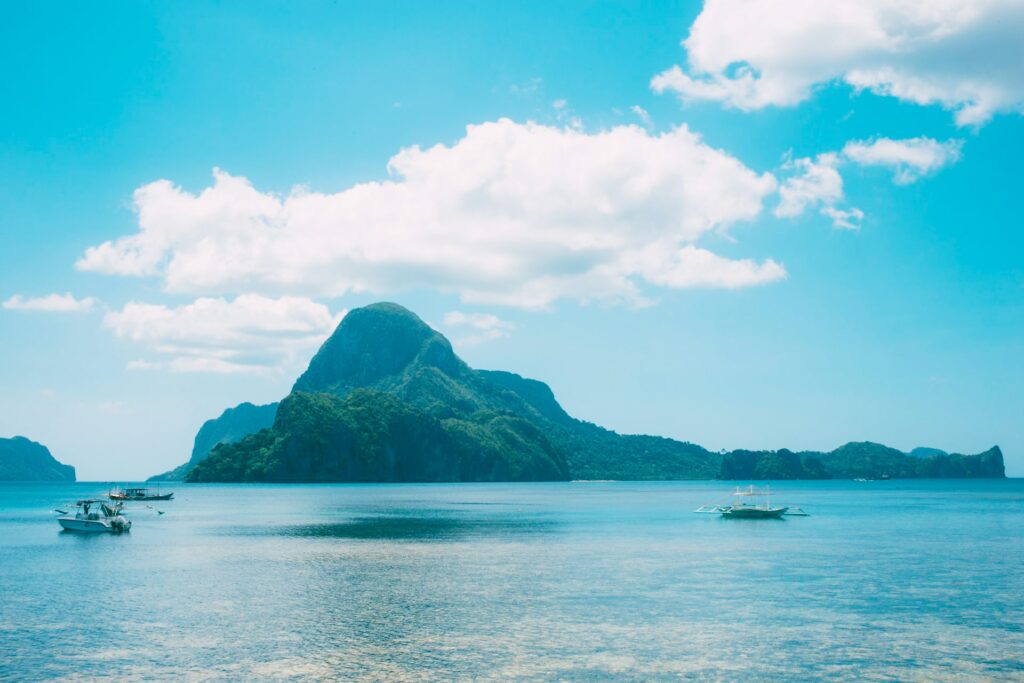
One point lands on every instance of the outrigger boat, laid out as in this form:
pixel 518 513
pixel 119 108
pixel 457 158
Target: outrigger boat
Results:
pixel 752 510
pixel 140 493
pixel 108 520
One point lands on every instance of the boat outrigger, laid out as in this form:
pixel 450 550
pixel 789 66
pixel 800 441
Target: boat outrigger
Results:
pixel 108 520
pixel 752 510
pixel 140 493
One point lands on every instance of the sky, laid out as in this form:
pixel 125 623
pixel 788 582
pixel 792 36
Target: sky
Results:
pixel 729 224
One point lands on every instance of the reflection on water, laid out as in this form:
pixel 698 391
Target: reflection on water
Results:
pixel 888 580
pixel 426 528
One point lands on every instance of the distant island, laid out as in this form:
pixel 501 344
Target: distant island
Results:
pixel 386 399
pixel 232 425
pixel 22 459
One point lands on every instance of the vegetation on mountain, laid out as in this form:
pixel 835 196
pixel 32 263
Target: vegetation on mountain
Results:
pixel 866 459
pixel 232 425
pixel 860 460
pixel 372 436
pixel 925 452
pixel 22 459
pixel 780 464
pixel 387 399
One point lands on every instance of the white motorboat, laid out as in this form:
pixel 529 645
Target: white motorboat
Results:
pixel 108 520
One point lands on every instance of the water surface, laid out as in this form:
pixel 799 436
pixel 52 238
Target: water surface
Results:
pixel 906 580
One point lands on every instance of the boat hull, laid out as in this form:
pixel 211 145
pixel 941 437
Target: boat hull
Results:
pixel 85 526
pixel 754 513
pixel 118 496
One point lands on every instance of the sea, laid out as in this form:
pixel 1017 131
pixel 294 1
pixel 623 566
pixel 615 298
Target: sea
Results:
pixel 895 580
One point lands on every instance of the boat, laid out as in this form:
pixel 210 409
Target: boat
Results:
pixel 140 493
pixel 748 506
pixel 108 520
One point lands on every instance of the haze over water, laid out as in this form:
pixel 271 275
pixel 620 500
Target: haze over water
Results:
pixel 909 580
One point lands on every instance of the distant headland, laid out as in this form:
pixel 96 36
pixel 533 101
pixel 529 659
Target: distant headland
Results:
pixel 232 425
pixel 386 399
pixel 22 459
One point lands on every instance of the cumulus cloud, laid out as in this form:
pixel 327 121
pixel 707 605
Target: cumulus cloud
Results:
pixel 694 267
pixel 910 159
pixel 963 55
pixel 250 333
pixel 475 328
pixel 513 214
pixel 52 303
pixel 816 183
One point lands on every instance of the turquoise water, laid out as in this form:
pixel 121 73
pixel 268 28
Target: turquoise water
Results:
pixel 905 580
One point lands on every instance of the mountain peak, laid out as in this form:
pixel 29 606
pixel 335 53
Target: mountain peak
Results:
pixel 373 344
pixel 386 399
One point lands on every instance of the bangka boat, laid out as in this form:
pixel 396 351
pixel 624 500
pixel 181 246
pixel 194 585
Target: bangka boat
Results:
pixel 108 520
pixel 139 493
pixel 748 506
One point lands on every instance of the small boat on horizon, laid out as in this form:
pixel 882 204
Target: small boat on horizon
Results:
pixel 138 493
pixel 752 509
pixel 108 520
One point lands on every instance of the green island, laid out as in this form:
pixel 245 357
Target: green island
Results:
pixel 232 425
pixel 386 399
pixel 22 459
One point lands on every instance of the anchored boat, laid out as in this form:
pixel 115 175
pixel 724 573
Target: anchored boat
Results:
pixel 108 520
pixel 749 507
pixel 140 493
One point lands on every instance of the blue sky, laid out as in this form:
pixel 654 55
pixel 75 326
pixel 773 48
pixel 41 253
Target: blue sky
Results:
pixel 781 243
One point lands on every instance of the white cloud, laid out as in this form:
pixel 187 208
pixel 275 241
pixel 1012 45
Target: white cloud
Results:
pixel 475 328
pixel 964 55
pixel 694 267
pixel 139 364
pixel 564 115
pixel 846 219
pixel 52 303
pixel 643 115
pixel 251 333
pixel 817 181
pixel 515 214
pixel 911 159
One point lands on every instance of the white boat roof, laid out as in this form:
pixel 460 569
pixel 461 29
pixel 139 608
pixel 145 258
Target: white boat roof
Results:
pixel 752 491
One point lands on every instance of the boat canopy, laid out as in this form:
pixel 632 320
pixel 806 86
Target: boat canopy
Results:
pixel 751 491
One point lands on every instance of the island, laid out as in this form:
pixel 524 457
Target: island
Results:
pixel 232 425
pixel 386 399
pixel 22 459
